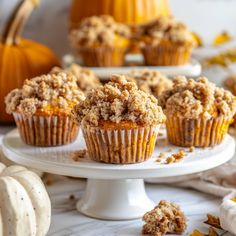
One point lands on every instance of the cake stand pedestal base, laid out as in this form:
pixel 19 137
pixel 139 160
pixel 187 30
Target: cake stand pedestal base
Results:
pixel 115 199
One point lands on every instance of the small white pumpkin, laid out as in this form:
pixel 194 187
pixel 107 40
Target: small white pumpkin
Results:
pixel 25 208
pixel 228 213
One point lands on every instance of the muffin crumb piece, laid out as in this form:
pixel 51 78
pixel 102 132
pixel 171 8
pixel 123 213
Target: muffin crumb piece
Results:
pixel 80 154
pixel 72 197
pixel 191 149
pixel 176 157
pixel 165 218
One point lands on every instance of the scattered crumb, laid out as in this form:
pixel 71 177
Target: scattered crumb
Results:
pixel 170 160
pixel 72 197
pixel 160 134
pixel 165 218
pixel 80 154
pixel 158 160
pixel 176 157
pixel 160 157
pixel 191 149
pixel 47 179
pixel 170 150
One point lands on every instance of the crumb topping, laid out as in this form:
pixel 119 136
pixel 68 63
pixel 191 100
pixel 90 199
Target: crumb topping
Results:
pixel 117 101
pixel 192 98
pixel 86 79
pixel 165 218
pixel 230 83
pixel 47 93
pixel 150 81
pixel 167 28
pixel 98 30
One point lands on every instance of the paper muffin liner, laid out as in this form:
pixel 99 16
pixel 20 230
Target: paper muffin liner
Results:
pixel 103 56
pixel 200 132
pixel 120 146
pixel 46 130
pixel 166 55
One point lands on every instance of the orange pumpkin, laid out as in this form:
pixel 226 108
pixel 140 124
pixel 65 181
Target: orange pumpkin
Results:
pixel 21 58
pixel 125 11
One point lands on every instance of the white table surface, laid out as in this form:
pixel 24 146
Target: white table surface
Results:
pixel 66 221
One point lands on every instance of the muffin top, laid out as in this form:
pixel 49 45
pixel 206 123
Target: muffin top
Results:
pixel 118 101
pixel 99 30
pixel 166 28
pixel 192 98
pixel 230 83
pixel 46 94
pixel 86 79
pixel 150 81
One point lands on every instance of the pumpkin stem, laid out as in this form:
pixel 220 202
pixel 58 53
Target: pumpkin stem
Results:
pixel 17 20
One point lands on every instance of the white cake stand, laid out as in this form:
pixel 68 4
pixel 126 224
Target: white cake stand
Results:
pixel 114 192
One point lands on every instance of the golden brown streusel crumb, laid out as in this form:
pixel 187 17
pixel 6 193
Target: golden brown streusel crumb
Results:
pixel 162 154
pixel 165 218
pixel 46 93
pixel 85 78
pixel 98 30
pixel 116 101
pixel 80 154
pixel 150 81
pixel 191 98
pixel 72 197
pixel 176 157
pixel 191 149
pixel 167 28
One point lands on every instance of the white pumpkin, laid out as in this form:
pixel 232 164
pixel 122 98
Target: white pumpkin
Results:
pixel 228 213
pixel 25 208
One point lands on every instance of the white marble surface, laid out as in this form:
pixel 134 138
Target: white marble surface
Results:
pixel 66 221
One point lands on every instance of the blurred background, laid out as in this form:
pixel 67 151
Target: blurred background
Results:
pixel 49 23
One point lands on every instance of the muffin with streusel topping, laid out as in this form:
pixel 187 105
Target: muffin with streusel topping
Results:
pixel 166 41
pixel 86 79
pixel 42 109
pixel 119 122
pixel 198 113
pixel 101 41
pixel 150 81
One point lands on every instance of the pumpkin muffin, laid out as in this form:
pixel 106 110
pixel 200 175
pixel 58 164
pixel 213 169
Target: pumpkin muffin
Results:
pixel 86 79
pixel 100 41
pixel 198 113
pixel 166 42
pixel 42 109
pixel 119 122
pixel 150 81
pixel 230 84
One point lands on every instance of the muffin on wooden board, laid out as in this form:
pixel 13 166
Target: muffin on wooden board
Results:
pixel 42 109
pixel 119 122
pixel 101 41
pixel 198 113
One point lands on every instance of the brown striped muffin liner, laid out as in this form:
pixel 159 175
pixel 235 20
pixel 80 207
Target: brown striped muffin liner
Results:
pixel 166 55
pixel 120 146
pixel 103 56
pixel 46 131
pixel 200 132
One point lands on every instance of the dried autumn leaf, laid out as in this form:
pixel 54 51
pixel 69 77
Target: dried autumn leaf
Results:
pixel 222 59
pixel 197 233
pixel 213 221
pixel 233 199
pixel 222 38
pixel 212 232
pixel 197 39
